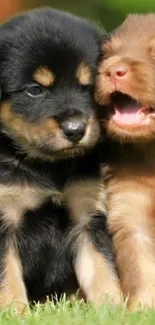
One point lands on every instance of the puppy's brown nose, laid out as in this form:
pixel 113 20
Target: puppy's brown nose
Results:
pixel 74 130
pixel 117 72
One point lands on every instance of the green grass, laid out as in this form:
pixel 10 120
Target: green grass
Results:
pixel 77 313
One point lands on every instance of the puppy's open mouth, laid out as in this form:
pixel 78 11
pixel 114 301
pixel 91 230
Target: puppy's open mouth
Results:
pixel 127 112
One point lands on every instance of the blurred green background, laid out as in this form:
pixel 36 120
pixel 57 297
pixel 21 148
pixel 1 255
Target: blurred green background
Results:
pixel 109 13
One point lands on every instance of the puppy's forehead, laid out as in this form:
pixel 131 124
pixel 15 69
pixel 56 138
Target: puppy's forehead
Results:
pixel 54 63
pixel 60 52
pixel 47 38
pixel 136 31
pixel 46 77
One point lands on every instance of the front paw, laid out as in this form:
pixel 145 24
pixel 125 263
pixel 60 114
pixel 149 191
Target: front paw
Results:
pixel 145 299
pixel 22 308
pixel 104 293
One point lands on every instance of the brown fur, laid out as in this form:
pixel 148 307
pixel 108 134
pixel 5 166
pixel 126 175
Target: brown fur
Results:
pixel 12 291
pixel 130 170
pixel 131 221
pixel 95 274
pixel 15 200
pixel 27 131
pixel 44 76
pixel 88 193
pixel 84 74
pixel 133 44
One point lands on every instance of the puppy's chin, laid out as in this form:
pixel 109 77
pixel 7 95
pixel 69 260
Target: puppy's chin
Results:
pixel 142 135
pixel 48 152
pixel 58 148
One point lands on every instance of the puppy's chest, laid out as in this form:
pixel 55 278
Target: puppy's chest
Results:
pixel 129 185
pixel 16 200
pixel 82 199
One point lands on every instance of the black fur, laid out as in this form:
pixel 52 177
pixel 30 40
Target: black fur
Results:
pixel 60 42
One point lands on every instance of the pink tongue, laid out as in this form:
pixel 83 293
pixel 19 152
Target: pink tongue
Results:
pixel 128 115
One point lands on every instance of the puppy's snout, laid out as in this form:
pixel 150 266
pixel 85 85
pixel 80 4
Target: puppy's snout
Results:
pixel 74 129
pixel 117 72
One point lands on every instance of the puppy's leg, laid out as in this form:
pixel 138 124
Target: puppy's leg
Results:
pixel 12 288
pixel 94 264
pixel 131 223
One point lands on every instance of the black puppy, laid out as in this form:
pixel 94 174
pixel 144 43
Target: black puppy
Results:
pixel 48 169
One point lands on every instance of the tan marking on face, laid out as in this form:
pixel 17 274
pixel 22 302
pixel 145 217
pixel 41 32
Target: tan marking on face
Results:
pixel 84 74
pixel 46 133
pixel 44 76
pixel 12 289
pixel 20 126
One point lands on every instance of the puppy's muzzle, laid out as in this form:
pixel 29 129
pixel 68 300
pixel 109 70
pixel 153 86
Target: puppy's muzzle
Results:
pixel 74 129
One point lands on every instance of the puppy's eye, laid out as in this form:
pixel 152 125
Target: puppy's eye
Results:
pixel 34 91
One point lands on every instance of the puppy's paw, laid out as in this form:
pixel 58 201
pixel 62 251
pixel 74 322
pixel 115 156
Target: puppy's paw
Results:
pixel 22 308
pixel 78 295
pixel 144 299
pixel 110 293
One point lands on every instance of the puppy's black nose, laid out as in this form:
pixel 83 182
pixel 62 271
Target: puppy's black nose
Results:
pixel 74 130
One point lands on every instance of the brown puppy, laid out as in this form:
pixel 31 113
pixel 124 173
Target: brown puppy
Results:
pixel 126 88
